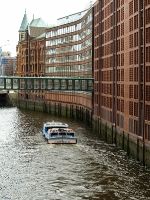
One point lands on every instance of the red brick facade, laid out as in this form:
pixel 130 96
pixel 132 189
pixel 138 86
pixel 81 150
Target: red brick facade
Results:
pixel 121 65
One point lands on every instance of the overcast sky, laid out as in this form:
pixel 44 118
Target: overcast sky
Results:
pixel 12 12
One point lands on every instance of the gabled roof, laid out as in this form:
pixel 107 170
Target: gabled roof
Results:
pixel 43 35
pixel 24 23
pixel 36 28
pixel 38 23
pixel 36 31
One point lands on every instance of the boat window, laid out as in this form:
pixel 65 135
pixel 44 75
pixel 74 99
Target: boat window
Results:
pixel 70 134
pixel 54 134
pixel 62 133
pixel 58 127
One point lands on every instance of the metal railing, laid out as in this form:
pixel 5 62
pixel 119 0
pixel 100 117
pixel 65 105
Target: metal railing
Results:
pixel 46 83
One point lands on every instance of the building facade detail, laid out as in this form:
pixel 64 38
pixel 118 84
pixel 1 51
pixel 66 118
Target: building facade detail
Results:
pixel 69 54
pixel 121 65
pixel 110 42
pixel 31 54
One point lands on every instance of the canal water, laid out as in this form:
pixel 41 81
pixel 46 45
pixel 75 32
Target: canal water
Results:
pixel 31 169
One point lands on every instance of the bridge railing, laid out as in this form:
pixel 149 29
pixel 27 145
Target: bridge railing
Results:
pixel 46 83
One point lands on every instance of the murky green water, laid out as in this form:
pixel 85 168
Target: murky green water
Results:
pixel 31 169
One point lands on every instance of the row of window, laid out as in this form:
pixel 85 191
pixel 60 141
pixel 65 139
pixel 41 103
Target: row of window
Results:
pixel 70 68
pixel 71 18
pixel 71 38
pixel 70 29
pixel 33 68
pixel 73 58
pixel 72 48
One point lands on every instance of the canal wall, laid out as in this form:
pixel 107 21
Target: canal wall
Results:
pixel 132 144
pixel 8 99
pixel 12 98
pixel 62 109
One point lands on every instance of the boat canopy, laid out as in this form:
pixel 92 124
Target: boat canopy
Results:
pixel 56 125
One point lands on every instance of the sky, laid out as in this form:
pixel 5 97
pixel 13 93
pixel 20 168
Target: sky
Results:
pixel 12 13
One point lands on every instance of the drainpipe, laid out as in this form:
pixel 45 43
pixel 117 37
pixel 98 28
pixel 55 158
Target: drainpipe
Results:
pixel 140 66
pixel 144 67
pixel 93 58
pixel 100 58
pixel 114 78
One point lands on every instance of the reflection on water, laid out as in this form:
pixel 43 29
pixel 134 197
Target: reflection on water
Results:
pixel 31 169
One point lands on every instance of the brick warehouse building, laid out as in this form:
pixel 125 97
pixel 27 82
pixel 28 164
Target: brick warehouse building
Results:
pixel 30 54
pixel 121 70
pixel 109 41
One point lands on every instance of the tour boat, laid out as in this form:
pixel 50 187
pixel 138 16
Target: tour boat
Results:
pixel 59 133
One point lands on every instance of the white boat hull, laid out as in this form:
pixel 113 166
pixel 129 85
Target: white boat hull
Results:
pixel 62 141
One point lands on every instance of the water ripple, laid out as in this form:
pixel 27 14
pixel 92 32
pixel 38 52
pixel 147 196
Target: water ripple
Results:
pixel 31 169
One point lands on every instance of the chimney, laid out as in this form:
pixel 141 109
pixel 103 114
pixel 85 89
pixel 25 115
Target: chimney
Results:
pixel 33 16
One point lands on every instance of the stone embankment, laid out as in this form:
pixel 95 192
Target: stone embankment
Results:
pixel 12 98
pixel 8 98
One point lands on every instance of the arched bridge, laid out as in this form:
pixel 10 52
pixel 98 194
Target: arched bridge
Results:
pixel 46 83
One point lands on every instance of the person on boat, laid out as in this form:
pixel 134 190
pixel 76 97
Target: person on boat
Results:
pixel 49 130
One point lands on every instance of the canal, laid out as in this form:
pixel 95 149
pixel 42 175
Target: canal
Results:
pixel 31 169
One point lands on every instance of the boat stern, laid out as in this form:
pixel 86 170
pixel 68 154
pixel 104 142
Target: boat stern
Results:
pixel 62 141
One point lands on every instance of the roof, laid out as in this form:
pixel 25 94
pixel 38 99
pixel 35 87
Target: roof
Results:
pixel 36 31
pixel 37 28
pixel 38 23
pixel 51 26
pixel 43 35
pixel 24 23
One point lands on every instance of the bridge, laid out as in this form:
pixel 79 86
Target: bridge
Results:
pixel 46 83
